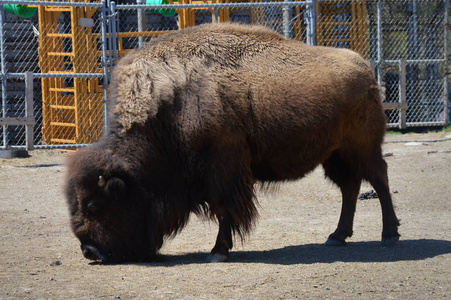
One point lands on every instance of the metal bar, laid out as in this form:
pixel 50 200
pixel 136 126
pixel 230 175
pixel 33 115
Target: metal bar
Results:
pixel 141 21
pixel 445 56
pixel 379 43
pixel 51 3
pixel 215 15
pixel 309 24
pixel 134 34
pixel 57 75
pixel 109 35
pixel 105 65
pixel 17 121
pixel 402 93
pixel 61 146
pixel 313 21
pixel 287 25
pixel 422 124
pixel 394 105
pixel 415 61
pixel 4 77
pixel 212 5
pixel 412 32
pixel 29 109
pixel 113 23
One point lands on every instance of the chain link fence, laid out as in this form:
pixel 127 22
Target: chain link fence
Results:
pixel 61 54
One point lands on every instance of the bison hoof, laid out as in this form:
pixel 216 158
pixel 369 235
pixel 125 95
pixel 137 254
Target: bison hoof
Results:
pixel 217 257
pixel 389 241
pixel 333 242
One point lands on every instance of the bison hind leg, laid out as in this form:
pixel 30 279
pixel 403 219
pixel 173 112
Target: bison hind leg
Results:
pixel 347 171
pixel 348 180
pixel 378 178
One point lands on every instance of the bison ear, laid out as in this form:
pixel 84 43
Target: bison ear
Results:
pixel 115 187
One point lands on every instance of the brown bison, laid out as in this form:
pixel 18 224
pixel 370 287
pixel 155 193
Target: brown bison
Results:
pixel 200 115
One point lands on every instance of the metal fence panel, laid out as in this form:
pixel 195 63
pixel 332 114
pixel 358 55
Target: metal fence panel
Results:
pixel 415 31
pixel 72 46
pixel 61 45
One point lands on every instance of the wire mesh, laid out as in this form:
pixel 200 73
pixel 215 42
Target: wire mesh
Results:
pixel 72 46
pixel 414 30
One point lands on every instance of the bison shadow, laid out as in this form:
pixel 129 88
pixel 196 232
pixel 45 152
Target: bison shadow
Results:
pixel 404 250
pixel 40 166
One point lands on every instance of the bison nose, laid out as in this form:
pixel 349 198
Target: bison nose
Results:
pixel 91 252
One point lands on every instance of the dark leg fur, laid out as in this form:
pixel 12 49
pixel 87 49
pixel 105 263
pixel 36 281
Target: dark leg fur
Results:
pixel 233 203
pixel 349 183
pixel 224 242
pixel 345 176
pixel 379 180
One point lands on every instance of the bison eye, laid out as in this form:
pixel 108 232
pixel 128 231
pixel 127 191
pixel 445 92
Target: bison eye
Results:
pixel 93 207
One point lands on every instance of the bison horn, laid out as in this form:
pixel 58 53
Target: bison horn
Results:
pixel 101 182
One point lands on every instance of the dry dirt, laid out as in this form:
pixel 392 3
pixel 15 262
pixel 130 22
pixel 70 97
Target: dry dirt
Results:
pixel 284 258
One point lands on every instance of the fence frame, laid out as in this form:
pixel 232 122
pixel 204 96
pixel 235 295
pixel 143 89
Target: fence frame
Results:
pixel 402 104
pixel 5 75
pixel 108 11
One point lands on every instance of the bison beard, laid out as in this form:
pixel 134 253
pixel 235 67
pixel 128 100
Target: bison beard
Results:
pixel 200 115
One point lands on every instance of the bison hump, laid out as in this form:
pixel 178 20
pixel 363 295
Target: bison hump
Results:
pixel 140 87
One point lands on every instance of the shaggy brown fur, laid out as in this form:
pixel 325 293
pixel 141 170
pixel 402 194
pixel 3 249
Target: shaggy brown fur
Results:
pixel 201 114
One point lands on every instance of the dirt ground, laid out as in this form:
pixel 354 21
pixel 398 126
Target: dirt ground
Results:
pixel 284 258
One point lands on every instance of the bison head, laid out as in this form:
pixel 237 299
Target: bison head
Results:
pixel 108 213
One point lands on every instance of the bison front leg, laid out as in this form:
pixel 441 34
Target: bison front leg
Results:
pixel 224 242
pixel 231 187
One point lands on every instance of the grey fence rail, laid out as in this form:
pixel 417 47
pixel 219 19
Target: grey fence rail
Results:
pixel 56 57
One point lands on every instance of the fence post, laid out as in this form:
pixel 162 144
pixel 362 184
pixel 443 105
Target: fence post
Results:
pixel 141 21
pixel 287 26
pixel 379 43
pixel 412 30
pixel 114 26
pixel 112 40
pixel 402 92
pixel 311 23
pixel 3 75
pixel 445 57
pixel 29 109
pixel 215 14
pixel 105 63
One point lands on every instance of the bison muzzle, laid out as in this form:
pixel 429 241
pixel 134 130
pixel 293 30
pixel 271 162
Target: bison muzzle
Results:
pixel 200 115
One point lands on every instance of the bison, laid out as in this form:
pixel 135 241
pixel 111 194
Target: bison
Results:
pixel 200 115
